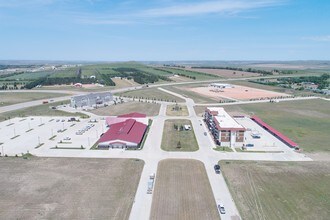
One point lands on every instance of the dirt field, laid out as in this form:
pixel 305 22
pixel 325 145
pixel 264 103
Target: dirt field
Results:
pixel 11 98
pixel 182 191
pixel 182 111
pixel 146 108
pixel 68 188
pixel 236 93
pixel 279 190
pixel 172 137
pixel 225 73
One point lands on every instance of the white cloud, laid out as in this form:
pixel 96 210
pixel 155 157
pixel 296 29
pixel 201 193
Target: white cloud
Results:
pixel 324 38
pixel 182 10
pixel 209 7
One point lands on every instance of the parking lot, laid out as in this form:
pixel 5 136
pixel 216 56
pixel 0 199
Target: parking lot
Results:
pixel 266 142
pixel 30 134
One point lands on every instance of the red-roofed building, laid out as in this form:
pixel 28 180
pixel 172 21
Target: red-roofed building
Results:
pixel 125 134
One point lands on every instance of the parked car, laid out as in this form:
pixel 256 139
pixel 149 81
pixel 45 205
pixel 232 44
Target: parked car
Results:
pixel 221 209
pixel 249 145
pixel 67 138
pixel 217 168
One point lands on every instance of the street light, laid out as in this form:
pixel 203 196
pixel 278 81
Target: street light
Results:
pixel 39 140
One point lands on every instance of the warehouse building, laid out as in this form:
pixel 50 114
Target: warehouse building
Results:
pixel 125 131
pixel 226 130
pixel 91 99
pixel 125 134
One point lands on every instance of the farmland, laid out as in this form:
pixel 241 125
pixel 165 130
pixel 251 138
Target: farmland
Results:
pixel 103 74
pixel 279 190
pixel 150 109
pixel 10 98
pixel 68 188
pixel 306 122
pixel 182 191
pixel 175 140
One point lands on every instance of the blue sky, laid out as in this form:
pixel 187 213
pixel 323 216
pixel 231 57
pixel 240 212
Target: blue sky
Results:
pixel 141 30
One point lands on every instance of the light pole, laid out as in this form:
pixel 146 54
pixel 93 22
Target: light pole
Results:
pixel 39 140
pixel 52 132
pixel 14 132
pixel 89 143
pixel 29 126
pixel 97 134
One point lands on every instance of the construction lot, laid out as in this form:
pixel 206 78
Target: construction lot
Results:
pixel 279 190
pixel 31 134
pixel 68 188
pixel 182 191
pixel 236 93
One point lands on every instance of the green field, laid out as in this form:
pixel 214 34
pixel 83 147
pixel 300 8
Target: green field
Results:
pixel 29 75
pixel 10 98
pixel 151 93
pixel 172 137
pixel 306 122
pixel 150 109
pixel 279 190
pixel 41 110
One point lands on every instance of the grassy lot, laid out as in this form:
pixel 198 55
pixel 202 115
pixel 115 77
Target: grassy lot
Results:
pixel 152 93
pixel 177 110
pixel 40 110
pixel 172 137
pixel 182 191
pixel 121 83
pixel 10 98
pixel 190 94
pixel 142 107
pixel 272 88
pixel 306 122
pixel 279 190
pixel 68 188
pixel 72 88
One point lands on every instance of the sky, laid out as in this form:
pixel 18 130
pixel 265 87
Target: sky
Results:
pixel 164 30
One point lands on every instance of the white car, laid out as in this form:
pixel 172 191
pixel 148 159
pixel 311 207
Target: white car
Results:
pixel 67 138
pixel 221 209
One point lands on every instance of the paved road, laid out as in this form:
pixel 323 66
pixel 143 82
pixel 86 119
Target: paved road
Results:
pixel 152 154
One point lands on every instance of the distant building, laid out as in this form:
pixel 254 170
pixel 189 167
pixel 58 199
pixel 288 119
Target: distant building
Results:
pixel 221 85
pixel 91 99
pixel 225 129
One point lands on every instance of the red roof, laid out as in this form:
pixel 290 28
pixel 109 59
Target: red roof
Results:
pixel 129 131
pixel 281 136
pixel 133 115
